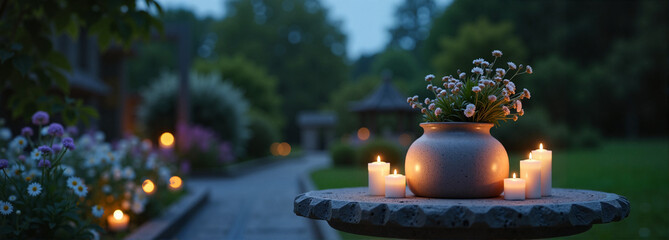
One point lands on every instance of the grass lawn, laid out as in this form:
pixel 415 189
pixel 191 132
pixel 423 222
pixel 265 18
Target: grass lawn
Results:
pixel 638 170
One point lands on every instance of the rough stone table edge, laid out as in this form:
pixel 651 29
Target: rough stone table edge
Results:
pixel 166 225
pixel 611 208
pixel 321 228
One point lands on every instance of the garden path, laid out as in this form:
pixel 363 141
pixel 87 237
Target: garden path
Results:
pixel 258 205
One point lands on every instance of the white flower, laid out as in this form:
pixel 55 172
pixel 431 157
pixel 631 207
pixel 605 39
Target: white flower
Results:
pixel 427 101
pixel 432 107
pixel 415 98
pixel 445 78
pixel 97 211
pixel 477 70
pixel 511 87
pixel 5 134
pixel 462 75
pixel 481 85
pixel 6 208
pixel 128 173
pixel 44 131
pixel 476 89
pixel 519 106
pixel 19 143
pixel 527 93
pixel 423 110
pixel 36 155
pixel 17 170
pixel 506 110
pixel 106 188
pixel 528 69
pixel 12 198
pixel 496 53
pixel 429 77
pixel 81 190
pixel 477 61
pixel 74 182
pixel 450 85
pixel 442 93
pixel 409 100
pixel 67 170
pixel 492 98
pixel 512 66
pixel 470 110
pixel 500 71
pixel 34 189
pixel 498 79
pixel 485 64
pixel 429 87
pixel 437 111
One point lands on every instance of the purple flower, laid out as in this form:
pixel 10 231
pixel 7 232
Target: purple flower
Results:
pixel 57 147
pixel 72 130
pixel 4 163
pixel 40 118
pixel 44 163
pixel 22 158
pixel 55 129
pixel 27 131
pixel 45 149
pixel 68 143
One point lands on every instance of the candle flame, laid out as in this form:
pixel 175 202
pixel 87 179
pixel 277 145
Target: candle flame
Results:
pixel 118 214
pixel 395 171
pixel 514 175
pixel 378 158
pixel 541 146
pixel 530 155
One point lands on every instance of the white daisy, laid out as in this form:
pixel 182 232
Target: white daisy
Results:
pixel 67 170
pixel 34 189
pixel 74 182
pixel 97 211
pixel 36 154
pixel 81 190
pixel 6 208
pixel 19 143
pixel 17 170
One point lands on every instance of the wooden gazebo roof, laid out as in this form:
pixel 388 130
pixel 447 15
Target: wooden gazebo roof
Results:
pixel 384 99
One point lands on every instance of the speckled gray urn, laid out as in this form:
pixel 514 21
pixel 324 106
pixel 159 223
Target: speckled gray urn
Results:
pixel 456 160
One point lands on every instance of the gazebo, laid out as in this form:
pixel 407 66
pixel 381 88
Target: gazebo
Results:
pixel 384 101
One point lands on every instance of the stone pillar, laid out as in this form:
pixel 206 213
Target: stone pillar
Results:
pixel 309 138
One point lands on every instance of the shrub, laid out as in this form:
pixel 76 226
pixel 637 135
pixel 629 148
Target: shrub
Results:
pixel 213 104
pixel 263 134
pixel 343 155
pixel 533 129
pixel 389 152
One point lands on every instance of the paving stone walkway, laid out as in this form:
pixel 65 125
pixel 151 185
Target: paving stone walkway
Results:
pixel 258 205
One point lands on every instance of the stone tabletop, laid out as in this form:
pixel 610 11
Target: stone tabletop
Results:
pixel 566 212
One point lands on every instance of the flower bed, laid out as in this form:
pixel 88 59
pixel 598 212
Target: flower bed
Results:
pixel 53 186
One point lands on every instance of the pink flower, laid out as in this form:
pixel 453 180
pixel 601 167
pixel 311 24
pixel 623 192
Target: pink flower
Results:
pixel 500 71
pixel 451 85
pixel 527 93
pixel 477 70
pixel 518 105
pixel 470 110
pixel 492 98
pixel 432 107
pixel 437 111
pixel 477 61
pixel 476 89
pixel 512 65
pixel 427 101
pixel 528 69
pixel 506 110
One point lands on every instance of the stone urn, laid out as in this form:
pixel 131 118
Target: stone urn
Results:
pixel 456 160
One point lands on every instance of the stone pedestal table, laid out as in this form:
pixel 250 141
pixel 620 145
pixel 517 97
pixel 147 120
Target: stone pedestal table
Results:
pixel 566 212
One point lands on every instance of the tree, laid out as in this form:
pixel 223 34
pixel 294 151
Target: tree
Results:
pixel 32 71
pixel 477 40
pixel 295 41
pixel 412 24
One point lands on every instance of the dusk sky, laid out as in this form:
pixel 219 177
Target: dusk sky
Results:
pixel 366 22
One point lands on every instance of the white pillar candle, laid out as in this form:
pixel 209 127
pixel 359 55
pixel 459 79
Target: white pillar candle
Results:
pixel 377 176
pixel 395 185
pixel 118 221
pixel 546 158
pixel 530 170
pixel 514 188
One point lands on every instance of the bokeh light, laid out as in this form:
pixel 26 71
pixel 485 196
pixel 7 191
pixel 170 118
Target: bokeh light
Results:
pixel 118 214
pixel 283 149
pixel 166 139
pixel 175 182
pixel 274 149
pixel 148 186
pixel 363 133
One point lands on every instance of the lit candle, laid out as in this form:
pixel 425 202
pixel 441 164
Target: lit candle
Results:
pixel 514 188
pixel 166 140
pixel 377 176
pixel 396 185
pixel 118 221
pixel 530 170
pixel 546 158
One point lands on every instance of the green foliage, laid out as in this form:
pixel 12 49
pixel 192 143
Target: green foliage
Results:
pixel 473 41
pixel 213 104
pixel 263 134
pixel 343 154
pixel 401 64
pixel 341 98
pixel 296 41
pixel 34 73
pixel 258 87
pixel 390 152
pixel 412 25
